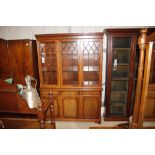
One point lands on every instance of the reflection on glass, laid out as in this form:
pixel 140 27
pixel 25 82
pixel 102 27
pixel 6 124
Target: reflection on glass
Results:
pixel 49 62
pixel 69 54
pixel 91 62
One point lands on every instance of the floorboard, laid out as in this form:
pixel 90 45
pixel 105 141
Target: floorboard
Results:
pixel 23 124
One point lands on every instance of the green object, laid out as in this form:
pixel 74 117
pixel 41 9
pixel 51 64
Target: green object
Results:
pixel 9 80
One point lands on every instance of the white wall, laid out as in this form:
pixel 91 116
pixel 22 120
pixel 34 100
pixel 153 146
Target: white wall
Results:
pixel 28 32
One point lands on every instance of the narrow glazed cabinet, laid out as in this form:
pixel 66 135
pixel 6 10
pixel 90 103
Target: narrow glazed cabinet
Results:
pixel 122 63
pixel 70 66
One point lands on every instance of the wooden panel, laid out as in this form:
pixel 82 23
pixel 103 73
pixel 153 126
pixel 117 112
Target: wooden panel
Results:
pixel 91 107
pixel 46 92
pixel 23 106
pixel 20 55
pixel 8 102
pixel 151 94
pixel 149 109
pixel 91 93
pixel 23 59
pixel 69 93
pixel 150 103
pixel 5 69
pixel 152 70
pixel 56 108
pixel 70 107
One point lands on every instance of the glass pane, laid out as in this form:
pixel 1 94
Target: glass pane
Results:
pixel 91 62
pixel 118 103
pixel 49 63
pixel 121 42
pixel 118 111
pixel 119 86
pixel 122 71
pixel 122 56
pixel 69 54
pixel 117 97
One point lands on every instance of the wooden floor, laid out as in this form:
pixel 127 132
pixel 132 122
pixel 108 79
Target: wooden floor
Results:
pixel 12 123
pixel 32 123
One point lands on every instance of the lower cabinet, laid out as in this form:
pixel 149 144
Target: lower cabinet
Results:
pixel 75 105
pixel 91 107
pixel 70 107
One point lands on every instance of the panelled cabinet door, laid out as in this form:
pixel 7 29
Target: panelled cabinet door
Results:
pixel 150 108
pixel 5 69
pixel 70 106
pixel 150 103
pixel 91 107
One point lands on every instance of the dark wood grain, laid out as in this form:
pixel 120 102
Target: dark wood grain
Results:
pixel 23 59
pixel 116 33
pixel 5 68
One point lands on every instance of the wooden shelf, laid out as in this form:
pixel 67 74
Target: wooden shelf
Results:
pixel 91 68
pixel 118 104
pixel 120 79
pixel 115 91
pixel 121 49
pixel 122 64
